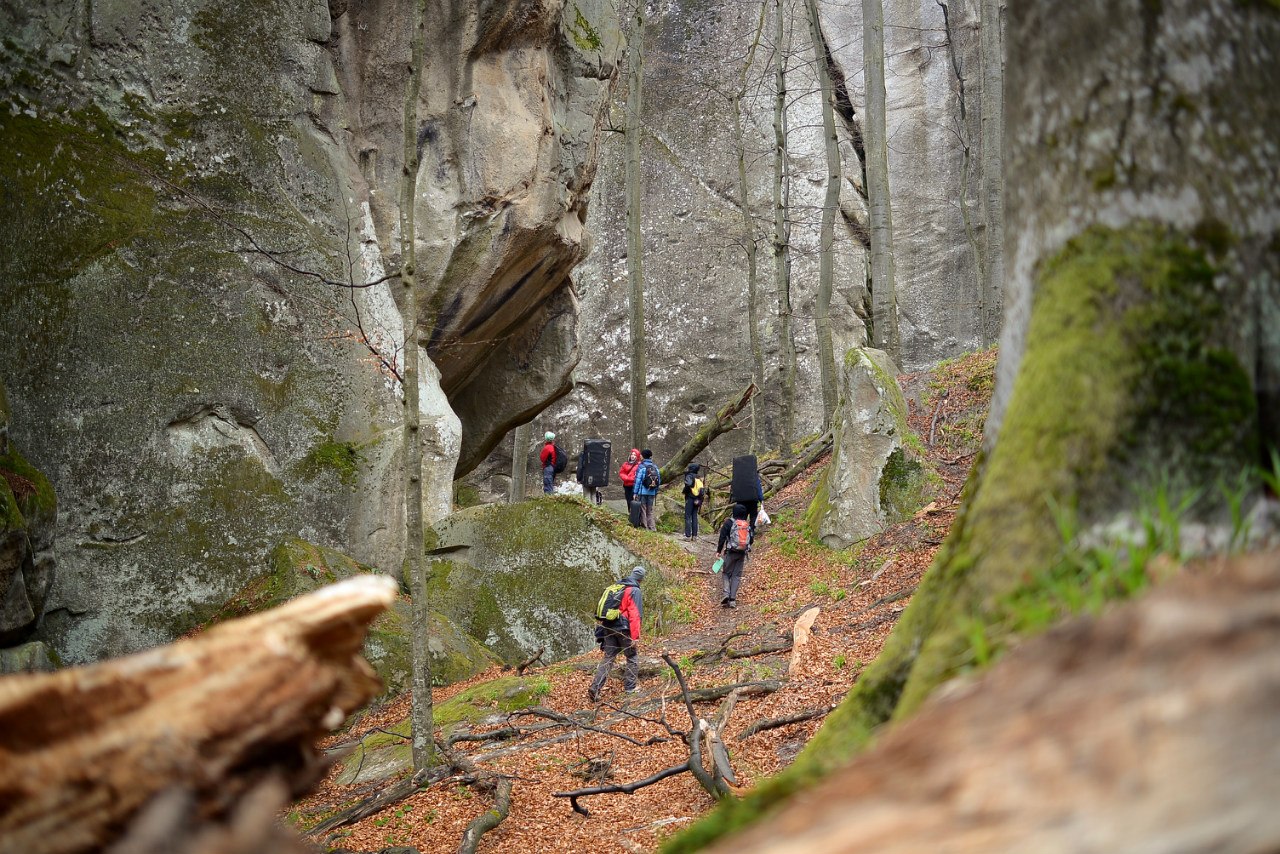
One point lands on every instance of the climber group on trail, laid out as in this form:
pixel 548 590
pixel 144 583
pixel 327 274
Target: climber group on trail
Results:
pixel 619 610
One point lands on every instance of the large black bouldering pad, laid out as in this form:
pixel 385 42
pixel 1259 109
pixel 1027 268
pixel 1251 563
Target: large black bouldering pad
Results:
pixel 596 454
pixel 745 485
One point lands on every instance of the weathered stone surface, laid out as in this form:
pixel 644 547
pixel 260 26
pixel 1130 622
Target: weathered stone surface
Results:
pixel 525 577
pixel 1152 727
pixel 192 398
pixel 299 567
pixel 30 657
pixel 874 478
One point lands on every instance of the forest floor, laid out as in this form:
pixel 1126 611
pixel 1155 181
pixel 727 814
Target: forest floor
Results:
pixel 861 592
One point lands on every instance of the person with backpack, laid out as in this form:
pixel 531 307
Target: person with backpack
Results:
pixel 648 479
pixel 627 474
pixel 618 616
pixel 733 545
pixel 695 493
pixel 553 462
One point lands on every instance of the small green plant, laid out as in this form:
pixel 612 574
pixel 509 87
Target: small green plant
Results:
pixel 839 661
pixel 819 588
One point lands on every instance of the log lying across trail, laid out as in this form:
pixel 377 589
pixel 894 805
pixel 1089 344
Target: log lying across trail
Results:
pixel 184 740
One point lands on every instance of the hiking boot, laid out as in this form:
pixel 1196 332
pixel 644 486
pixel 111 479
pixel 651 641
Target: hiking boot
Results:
pixel 724 603
pixel 593 695
pixel 733 603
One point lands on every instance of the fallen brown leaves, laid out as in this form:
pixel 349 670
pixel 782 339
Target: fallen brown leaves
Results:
pixel 785 576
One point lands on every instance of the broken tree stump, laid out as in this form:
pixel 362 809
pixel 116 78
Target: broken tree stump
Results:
pixel 85 752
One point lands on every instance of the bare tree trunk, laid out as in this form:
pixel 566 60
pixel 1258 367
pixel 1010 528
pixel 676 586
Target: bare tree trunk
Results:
pixel 635 239
pixel 993 168
pixel 781 232
pixel 415 567
pixel 884 302
pixel 749 234
pixel 830 205
pixel 966 172
pixel 519 462
pixel 721 423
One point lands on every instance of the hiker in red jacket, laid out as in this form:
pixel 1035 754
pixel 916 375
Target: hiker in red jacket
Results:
pixel 621 636
pixel 548 459
pixel 627 474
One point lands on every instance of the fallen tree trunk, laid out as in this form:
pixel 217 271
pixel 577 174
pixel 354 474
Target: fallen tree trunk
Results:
pixel 722 423
pixel 85 751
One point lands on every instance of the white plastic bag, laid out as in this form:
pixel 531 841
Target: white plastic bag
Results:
pixel 763 517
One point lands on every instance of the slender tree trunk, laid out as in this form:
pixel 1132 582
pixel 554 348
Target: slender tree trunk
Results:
pixel 966 173
pixel 519 462
pixel 781 232
pixel 415 567
pixel 635 239
pixel 831 204
pixel 884 302
pixel 992 168
pixel 749 235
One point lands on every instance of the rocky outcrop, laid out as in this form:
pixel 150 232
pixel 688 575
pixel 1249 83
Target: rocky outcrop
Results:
pixel 875 477
pixel 695 268
pixel 525 577
pixel 187 189
pixel 298 567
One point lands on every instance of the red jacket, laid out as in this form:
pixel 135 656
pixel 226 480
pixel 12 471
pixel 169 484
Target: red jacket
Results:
pixel 630 611
pixel 548 455
pixel 628 471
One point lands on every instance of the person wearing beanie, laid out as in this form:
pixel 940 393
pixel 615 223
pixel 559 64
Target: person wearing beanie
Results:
pixel 621 636
pixel 733 545
pixel 548 459
pixel 646 488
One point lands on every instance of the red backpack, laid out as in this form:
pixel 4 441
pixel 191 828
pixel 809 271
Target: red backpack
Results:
pixel 739 536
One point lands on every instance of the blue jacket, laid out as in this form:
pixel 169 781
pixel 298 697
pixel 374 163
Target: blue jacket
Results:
pixel 639 487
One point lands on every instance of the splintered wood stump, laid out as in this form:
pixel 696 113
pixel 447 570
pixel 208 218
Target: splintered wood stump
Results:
pixel 205 729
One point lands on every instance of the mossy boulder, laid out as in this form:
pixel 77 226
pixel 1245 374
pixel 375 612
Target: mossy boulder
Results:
pixel 525 577
pixel 298 567
pixel 30 657
pixel 876 476
pixel 387 753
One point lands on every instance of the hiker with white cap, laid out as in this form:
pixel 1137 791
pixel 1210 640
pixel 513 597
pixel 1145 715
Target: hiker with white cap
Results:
pixel 618 616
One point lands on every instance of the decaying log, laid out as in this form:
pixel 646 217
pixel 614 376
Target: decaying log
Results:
pixel 85 751
pixel 721 423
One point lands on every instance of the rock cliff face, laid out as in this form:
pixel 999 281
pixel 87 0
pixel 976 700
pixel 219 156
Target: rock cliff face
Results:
pixel 695 266
pixel 186 186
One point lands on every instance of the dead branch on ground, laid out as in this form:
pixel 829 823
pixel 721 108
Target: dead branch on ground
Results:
pixel 528 662
pixel 721 423
pixel 786 720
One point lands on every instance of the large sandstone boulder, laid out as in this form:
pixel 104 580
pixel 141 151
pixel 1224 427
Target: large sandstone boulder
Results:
pixel 184 189
pixel 525 577
pixel 876 477
pixel 298 567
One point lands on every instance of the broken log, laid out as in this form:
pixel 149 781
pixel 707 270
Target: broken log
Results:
pixel 800 634
pixel 786 720
pixel 85 751
pixel 722 423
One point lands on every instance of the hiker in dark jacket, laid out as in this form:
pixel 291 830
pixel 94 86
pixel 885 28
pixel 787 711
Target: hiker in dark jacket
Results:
pixel 695 492
pixel 621 636
pixel 734 558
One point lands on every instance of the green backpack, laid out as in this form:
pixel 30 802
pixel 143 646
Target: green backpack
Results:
pixel 609 608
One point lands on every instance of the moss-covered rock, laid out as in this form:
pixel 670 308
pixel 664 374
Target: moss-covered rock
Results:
pixel 28 513
pixel 525 577
pixel 876 476
pixel 387 753
pixel 298 567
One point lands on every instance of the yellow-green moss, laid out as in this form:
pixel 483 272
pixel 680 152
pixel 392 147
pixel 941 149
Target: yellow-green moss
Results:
pixel 342 458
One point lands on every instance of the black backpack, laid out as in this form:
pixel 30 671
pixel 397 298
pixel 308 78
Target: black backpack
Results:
pixel 650 479
pixel 561 459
